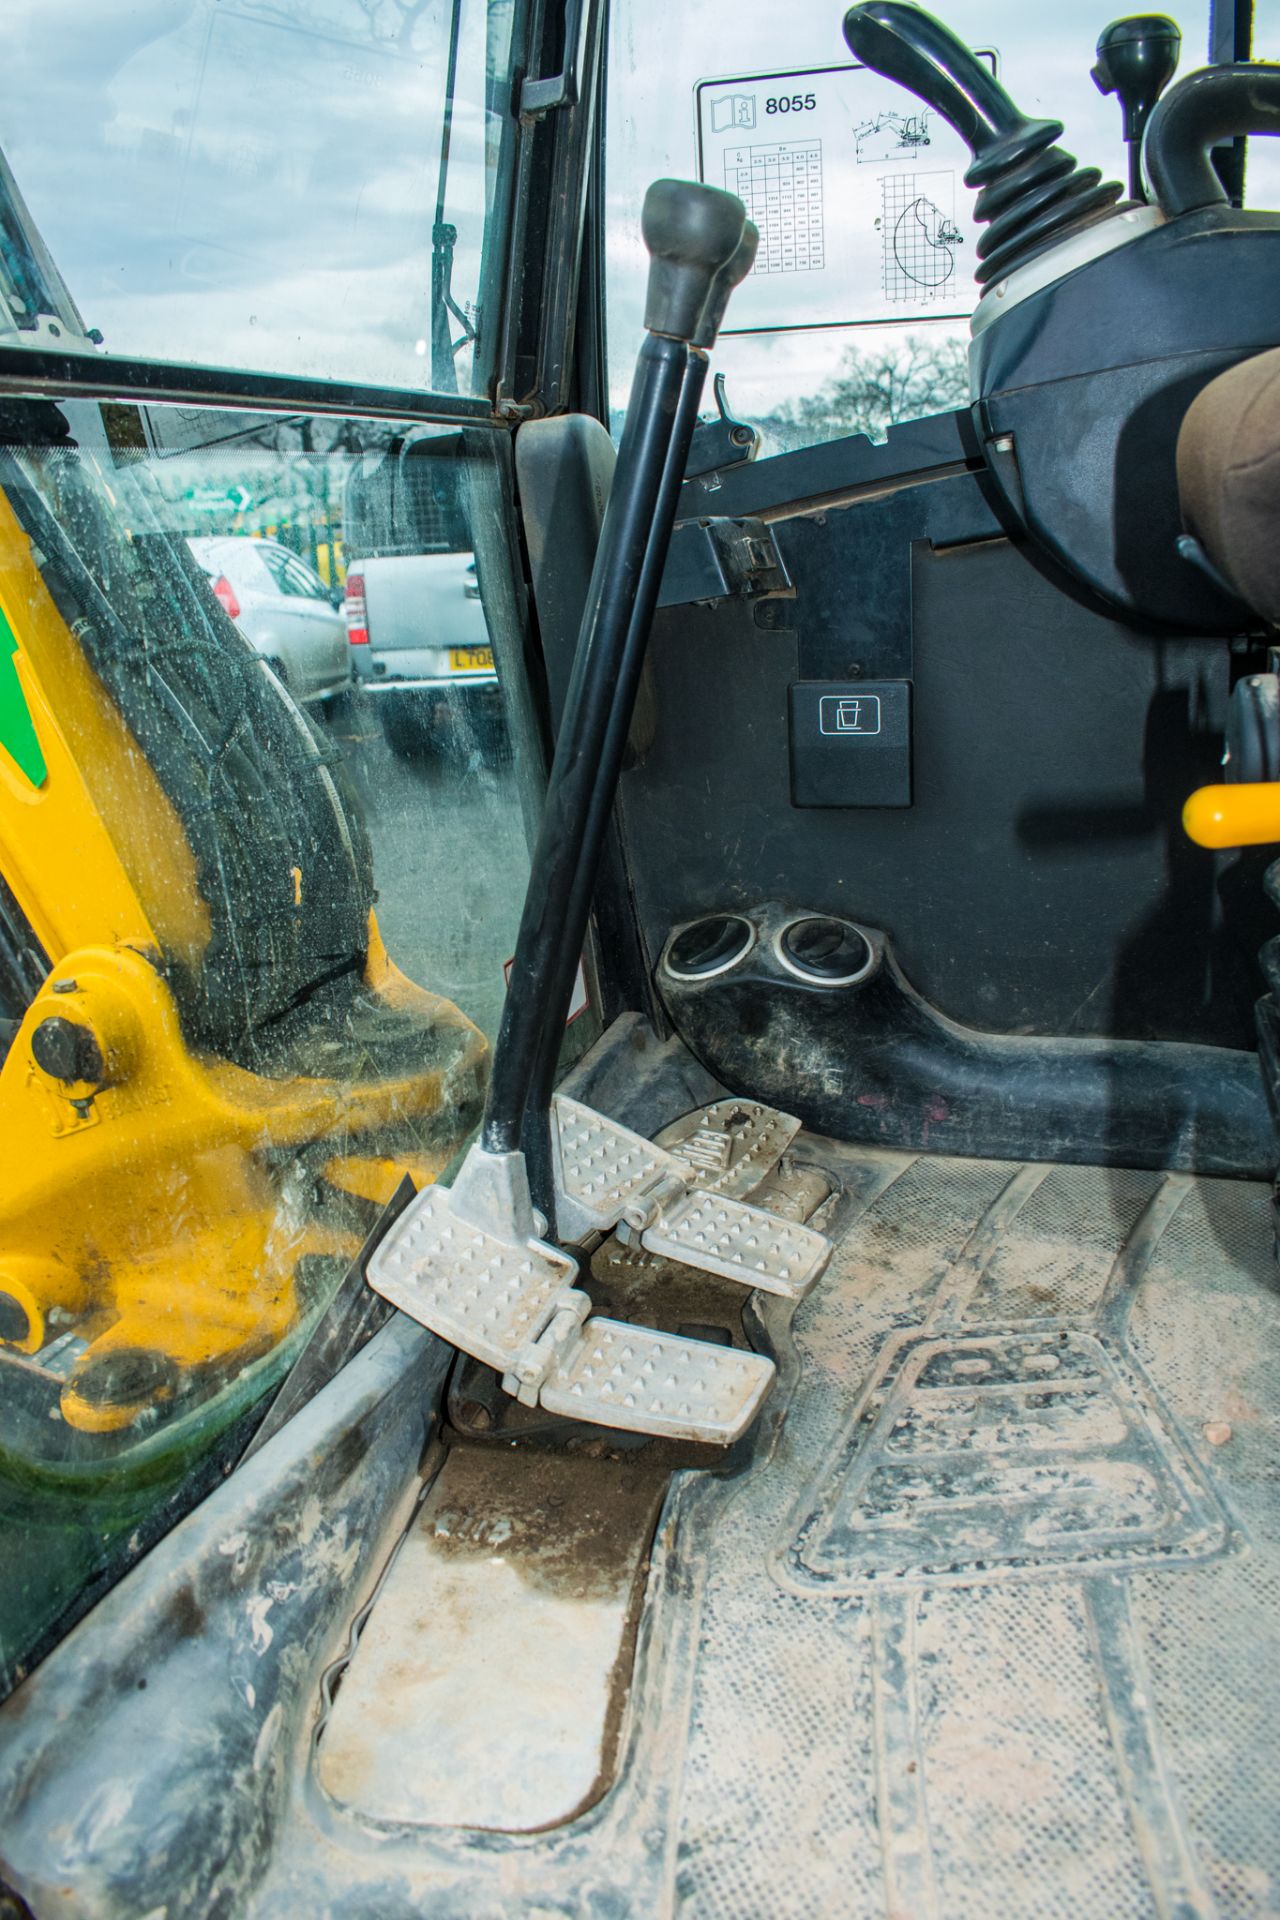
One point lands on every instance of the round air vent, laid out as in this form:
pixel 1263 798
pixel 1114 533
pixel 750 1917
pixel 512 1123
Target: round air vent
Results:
pixel 831 953
pixel 709 946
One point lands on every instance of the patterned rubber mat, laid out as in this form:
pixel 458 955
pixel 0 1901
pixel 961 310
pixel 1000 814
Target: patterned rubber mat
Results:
pixel 994 1626
pixel 988 1625
pixel 985 1621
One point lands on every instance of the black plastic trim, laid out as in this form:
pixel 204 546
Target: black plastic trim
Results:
pixel 32 371
pixel 871 1062
pixel 791 483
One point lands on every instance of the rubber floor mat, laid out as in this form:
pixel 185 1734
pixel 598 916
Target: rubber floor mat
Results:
pixel 993 1626
pixel 987 1624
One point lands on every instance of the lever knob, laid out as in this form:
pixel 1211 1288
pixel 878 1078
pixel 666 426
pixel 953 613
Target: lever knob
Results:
pixel 691 232
pixel 1243 815
pixel 1137 58
pixel 732 274
pixel 1136 61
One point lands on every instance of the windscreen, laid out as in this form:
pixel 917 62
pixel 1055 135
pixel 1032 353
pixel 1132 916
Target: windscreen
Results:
pixel 306 187
pixel 856 314
pixel 265 778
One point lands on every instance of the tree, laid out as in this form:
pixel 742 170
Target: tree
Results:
pixel 924 373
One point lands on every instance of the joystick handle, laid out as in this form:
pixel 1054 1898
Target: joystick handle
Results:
pixel 1137 58
pixel 909 46
pixel 1032 193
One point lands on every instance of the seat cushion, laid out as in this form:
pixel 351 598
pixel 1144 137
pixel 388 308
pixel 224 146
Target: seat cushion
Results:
pixel 1229 478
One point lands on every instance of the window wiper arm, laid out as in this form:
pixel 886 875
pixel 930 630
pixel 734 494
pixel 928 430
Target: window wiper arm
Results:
pixel 444 236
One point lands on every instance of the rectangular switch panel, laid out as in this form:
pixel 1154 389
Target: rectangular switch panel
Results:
pixel 850 743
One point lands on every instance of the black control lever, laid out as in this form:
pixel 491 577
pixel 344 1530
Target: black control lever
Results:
pixel 695 237
pixel 723 442
pixel 1031 193
pixel 536 1133
pixel 1137 58
pixel 1217 103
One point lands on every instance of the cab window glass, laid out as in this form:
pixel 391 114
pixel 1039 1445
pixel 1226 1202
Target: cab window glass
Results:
pixel 1262 168
pixel 856 314
pixel 263 859
pixel 256 185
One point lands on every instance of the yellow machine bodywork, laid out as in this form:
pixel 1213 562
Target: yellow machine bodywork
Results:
pixel 159 1202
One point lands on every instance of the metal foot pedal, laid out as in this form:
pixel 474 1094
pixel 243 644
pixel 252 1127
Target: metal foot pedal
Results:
pixel 478 1292
pixel 730 1146
pixel 659 1383
pixel 607 1176
pixel 469 1263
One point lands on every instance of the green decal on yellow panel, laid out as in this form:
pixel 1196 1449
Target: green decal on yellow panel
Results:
pixel 17 733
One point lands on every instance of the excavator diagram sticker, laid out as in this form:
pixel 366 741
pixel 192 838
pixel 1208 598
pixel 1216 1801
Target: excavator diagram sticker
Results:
pixel 18 736
pixel 920 242
pixel 858 192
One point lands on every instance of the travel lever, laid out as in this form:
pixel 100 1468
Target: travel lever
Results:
pixel 477 1263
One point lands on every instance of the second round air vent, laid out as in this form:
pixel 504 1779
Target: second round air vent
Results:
pixel 832 953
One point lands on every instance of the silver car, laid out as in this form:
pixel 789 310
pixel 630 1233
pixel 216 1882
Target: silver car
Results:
pixel 284 610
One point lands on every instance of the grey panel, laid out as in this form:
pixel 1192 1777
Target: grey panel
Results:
pixel 564 469
pixel 1041 880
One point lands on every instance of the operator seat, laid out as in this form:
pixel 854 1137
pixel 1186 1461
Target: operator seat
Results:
pixel 1229 479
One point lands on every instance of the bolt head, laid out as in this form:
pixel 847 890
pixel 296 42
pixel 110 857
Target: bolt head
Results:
pixel 68 1051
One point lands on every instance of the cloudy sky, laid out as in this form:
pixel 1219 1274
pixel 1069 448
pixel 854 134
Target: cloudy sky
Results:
pixel 252 182
pixel 249 182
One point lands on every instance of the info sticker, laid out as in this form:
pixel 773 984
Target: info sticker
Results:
pixel 857 189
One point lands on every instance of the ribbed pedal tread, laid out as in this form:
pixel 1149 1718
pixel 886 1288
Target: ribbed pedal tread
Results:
pixel 603 1165
pixel 476 1292
pixel 740 1243
pixel 659 1383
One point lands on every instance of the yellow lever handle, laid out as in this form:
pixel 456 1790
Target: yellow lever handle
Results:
pixel 1247 815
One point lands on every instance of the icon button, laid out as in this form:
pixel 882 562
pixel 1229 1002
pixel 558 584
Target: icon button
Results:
pixel 849 713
